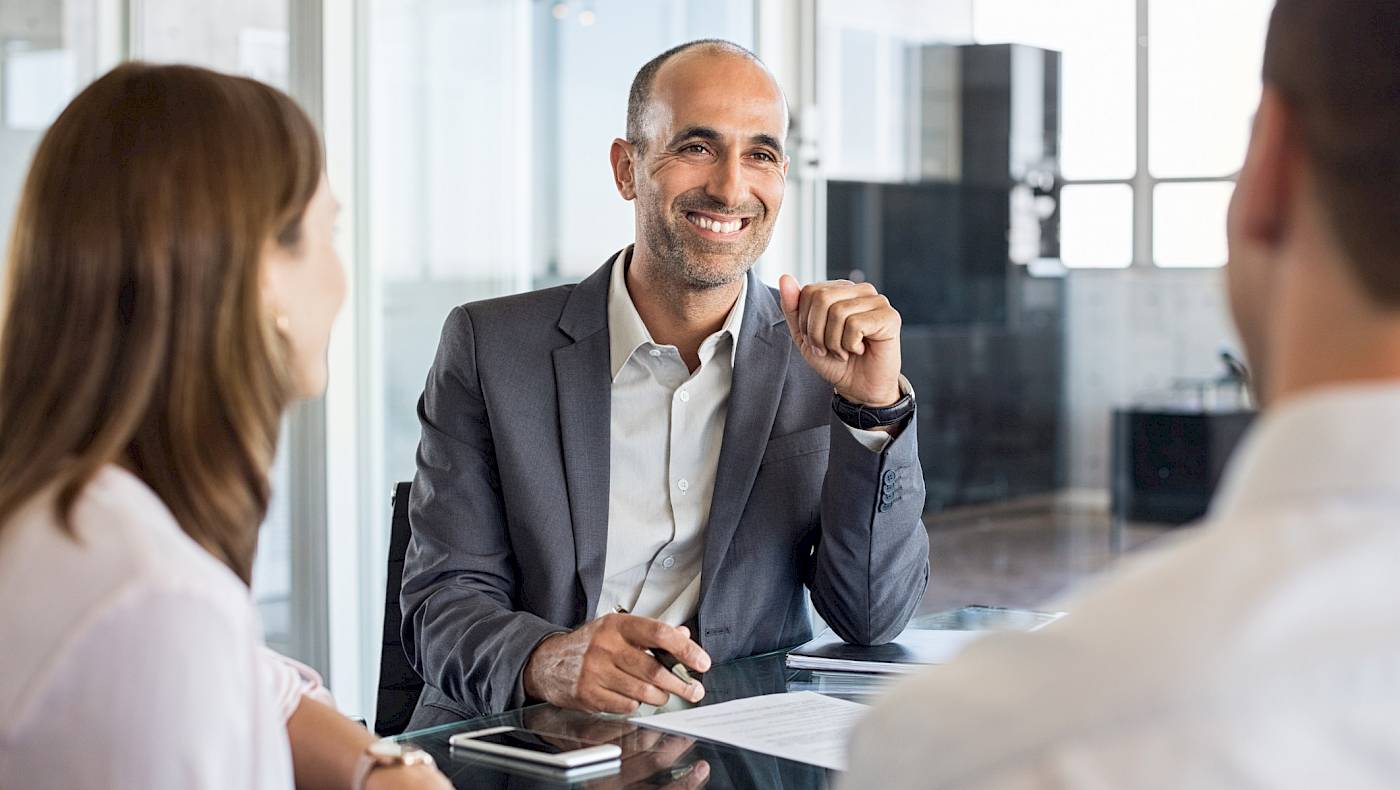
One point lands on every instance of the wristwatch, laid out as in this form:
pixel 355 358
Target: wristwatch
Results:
pixel 858 415
pixel 385 753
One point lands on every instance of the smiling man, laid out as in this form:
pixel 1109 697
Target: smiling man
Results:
pixel 662 457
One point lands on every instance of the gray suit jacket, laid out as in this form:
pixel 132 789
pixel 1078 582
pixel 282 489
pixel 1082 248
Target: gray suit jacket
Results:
pixel 510 504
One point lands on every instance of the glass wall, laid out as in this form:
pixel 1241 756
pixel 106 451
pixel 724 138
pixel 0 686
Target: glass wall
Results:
pixel 490 123
pixel 1040 188
pixel 48 51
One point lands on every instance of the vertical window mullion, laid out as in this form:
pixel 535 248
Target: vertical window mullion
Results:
pixel 1142 180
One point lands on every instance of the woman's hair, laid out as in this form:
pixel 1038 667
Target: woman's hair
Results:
pixel 134 329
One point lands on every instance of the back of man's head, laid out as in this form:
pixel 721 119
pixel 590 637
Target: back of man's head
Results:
pixel 1336 63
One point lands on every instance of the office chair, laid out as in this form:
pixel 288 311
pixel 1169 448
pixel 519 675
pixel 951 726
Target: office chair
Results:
pixel 399 683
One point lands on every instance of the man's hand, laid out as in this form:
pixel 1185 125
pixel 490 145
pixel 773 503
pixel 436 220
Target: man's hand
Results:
pixel 604 667
pixel 849 335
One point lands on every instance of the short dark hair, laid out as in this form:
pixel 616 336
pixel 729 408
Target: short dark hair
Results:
pixel 640 95
pixel 1336 64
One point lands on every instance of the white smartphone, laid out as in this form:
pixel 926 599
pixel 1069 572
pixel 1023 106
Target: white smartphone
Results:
pixel 525 745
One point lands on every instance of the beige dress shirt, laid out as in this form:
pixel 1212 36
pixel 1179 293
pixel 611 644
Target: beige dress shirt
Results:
pixel 1262 651
pixel 667 428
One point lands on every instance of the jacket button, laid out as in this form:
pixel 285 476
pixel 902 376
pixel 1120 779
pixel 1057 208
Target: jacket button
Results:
pixel 889 476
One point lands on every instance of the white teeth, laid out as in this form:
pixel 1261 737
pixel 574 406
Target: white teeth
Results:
pixel 716 226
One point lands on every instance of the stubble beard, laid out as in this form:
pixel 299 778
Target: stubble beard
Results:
pixel 679 254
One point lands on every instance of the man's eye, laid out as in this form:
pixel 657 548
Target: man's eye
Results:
pixel 694 148
pixel 765 156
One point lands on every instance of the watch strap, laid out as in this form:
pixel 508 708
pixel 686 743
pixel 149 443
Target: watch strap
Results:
pixel 859 415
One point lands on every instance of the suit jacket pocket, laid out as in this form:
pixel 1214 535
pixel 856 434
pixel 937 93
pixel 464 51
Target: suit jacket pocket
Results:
pixel 792 445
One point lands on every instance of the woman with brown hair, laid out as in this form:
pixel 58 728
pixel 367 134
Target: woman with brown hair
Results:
pixel 170 290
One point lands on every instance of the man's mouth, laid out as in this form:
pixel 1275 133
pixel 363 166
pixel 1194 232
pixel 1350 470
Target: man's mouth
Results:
pixel 719 227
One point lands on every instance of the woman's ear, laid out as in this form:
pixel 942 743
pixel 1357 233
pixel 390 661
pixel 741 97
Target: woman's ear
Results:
pixel 272 277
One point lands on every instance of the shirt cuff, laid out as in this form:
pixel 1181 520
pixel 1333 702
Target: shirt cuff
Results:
pixel 290 681
pixel 874 441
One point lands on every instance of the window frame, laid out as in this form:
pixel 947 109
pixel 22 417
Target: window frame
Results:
pixel 1143 183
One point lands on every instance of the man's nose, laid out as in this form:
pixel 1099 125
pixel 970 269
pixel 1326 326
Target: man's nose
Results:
pixel 726 183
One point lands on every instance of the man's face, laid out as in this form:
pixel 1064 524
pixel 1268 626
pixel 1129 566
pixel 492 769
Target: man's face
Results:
pixel 709 180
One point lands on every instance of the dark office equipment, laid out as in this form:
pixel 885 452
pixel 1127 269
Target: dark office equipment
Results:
pixel 983 338
pixel 399 684
pixel 1167 464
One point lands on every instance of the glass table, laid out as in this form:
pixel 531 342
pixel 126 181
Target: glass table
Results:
pixel 652 759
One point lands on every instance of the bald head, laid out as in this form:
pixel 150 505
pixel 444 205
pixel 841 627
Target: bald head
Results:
pixel 642 120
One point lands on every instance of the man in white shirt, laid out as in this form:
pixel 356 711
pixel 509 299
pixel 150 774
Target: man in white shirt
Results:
pixel 1263 650
pixel 662 439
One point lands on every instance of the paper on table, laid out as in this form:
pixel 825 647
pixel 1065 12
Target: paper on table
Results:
pixel 802 726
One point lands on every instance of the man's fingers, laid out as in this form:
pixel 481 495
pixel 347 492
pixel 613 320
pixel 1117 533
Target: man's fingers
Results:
pixel 648 670
pixel 809 299
pixel 604 700
pixel 845 333
pixel 696 777
pixel 624 683
pixel 674 747
pixel 789 292
pixel 644 632
pixel 821 300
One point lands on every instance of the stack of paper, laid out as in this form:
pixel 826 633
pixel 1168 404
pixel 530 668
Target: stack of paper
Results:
pixel 913 650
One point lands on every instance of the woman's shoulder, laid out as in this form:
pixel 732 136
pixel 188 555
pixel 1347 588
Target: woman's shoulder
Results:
pixel 125 550
pixel 123 525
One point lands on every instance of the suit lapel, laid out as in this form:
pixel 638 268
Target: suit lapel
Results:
pixel 584 393
pixel 760 367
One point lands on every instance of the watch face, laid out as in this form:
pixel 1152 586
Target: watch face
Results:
pixel 385 748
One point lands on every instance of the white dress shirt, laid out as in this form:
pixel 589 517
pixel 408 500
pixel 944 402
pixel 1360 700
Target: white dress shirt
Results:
pixel 133 658
pixel 667 429
pixel 1263 650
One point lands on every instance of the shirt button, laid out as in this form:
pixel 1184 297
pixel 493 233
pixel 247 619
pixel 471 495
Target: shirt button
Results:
pixel 683 485
pixel 685 396
pixel 655 352
pixel 668 562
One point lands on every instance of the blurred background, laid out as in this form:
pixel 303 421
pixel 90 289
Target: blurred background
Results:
pixel 1039 187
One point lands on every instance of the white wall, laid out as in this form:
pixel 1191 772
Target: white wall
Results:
pixel 1130 333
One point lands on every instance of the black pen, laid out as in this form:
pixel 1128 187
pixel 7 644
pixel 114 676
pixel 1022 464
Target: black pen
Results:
pixel 667 660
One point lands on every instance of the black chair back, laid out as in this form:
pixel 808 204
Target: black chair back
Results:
pixel 399 683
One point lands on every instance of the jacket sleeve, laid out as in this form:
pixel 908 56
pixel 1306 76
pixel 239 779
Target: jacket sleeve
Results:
pixel 871 567
pixel 461 630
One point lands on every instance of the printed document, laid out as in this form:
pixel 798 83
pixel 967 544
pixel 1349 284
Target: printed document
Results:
pixel 802 726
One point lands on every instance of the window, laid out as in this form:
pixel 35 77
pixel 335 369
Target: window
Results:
pixel 1180 113
pixel 250 39
pixel 48 52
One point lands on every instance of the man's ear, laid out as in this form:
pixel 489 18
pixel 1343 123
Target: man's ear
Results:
pixel 624 176
pixel 1267 184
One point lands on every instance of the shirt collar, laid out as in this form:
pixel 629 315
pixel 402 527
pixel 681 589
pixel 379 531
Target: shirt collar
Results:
pixel 1337 443
pixel 626 330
